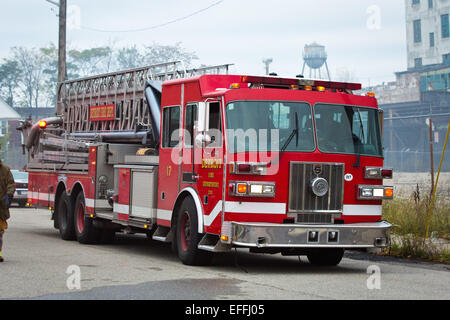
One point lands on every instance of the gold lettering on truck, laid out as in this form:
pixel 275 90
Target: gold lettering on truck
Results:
pixel 212 163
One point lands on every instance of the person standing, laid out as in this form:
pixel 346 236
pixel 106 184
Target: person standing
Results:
pixel 7 189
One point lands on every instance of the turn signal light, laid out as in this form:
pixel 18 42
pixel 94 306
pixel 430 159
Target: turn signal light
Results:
pixel 387 173
pixel 42 124
pixel 242 188
pixel 244 167
pixel 389 192
pixel 320 88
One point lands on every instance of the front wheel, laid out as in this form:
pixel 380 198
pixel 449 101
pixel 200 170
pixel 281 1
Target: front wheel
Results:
pixel 326 256
pixel 85 230
pixel 187 236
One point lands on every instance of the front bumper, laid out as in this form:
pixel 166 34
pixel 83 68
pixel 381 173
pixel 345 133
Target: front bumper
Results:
pixel 267 235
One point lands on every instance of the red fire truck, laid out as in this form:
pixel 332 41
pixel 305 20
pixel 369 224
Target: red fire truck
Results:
pixel 210 161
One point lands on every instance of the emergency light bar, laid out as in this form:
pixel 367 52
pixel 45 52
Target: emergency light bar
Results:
pixel 301 82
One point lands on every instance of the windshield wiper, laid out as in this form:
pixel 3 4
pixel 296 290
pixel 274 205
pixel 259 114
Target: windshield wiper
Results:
pixel 288 141
pixel 361 135
pixel 361 127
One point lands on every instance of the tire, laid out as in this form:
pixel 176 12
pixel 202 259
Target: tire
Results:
pixel 187 237
pixel 85 231
pixel 107 236
pixel 326 256
pixel 65 217
pixel 22 203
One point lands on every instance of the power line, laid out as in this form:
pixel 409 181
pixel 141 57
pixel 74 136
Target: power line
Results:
pixel 155 26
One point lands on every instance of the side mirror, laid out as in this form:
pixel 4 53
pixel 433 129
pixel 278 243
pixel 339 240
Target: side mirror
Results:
pixel 202 140
pixel 202 124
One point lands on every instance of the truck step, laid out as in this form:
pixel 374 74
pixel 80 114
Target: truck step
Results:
pixel 212 243
pixel 163 234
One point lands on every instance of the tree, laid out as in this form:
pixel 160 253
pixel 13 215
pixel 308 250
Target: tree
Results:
pixel 32 63
pixel 51 73
pixel 89 61
pixel 157 53
pixel 129 58
pixel 10 75
pixel 28 77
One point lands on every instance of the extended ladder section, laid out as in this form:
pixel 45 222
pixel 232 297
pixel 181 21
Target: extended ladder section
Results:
pixel 119 107
pixel 117 102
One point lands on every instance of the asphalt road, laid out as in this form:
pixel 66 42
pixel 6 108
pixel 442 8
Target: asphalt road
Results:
pixel 37 261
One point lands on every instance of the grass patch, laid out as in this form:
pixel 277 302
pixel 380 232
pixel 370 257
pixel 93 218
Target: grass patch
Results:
pixel 409 220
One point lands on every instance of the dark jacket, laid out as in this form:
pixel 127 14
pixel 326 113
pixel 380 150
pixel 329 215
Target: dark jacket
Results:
pixel 7 186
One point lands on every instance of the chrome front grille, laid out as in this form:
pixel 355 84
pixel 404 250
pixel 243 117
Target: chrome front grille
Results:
pixel 315 218
pixel 301 197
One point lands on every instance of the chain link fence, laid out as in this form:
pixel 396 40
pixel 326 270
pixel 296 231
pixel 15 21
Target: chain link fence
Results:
pixel 415 161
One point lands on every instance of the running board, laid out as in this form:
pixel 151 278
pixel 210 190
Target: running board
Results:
pixel 212 243
pixel 163 234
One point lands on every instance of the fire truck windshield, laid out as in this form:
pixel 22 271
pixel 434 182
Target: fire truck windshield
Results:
pixel 348 129
pixel 267 125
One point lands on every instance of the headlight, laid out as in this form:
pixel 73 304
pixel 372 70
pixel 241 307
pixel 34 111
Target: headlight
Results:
pixel 248 168
pixel 252 189
pixel 375 192
pixel 378 173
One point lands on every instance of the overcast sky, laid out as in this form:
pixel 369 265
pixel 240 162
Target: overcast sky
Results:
pixel 363 37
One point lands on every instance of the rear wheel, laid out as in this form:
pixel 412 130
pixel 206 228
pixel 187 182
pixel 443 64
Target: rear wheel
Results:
pixel 187 237
pixel 326 256
pixel 65 217
pixel 85 230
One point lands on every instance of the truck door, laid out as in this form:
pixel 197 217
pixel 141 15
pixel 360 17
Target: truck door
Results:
pixel 210 169
pixel 188 170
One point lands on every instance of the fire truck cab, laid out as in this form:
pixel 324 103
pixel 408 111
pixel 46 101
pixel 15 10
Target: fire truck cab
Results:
pixel 216 161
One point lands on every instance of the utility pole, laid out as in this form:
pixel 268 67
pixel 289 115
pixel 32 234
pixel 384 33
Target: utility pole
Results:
pixel 62 65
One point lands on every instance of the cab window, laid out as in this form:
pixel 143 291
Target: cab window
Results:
pixel 171 125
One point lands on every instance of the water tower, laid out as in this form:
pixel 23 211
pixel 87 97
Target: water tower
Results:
pixel 315 57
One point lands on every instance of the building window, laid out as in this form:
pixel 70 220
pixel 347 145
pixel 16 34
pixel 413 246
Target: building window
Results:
pixel 446 59
pixel 430 4
pixel 431 39
pixel 3 128
pixel 417 62
pixel 417 31
pixel 415 1
pixel 444 26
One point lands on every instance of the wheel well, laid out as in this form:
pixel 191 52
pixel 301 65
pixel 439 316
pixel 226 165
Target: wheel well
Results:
pixel 59 190
pixel 77 188
pixel 188 192
pixel 177 205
